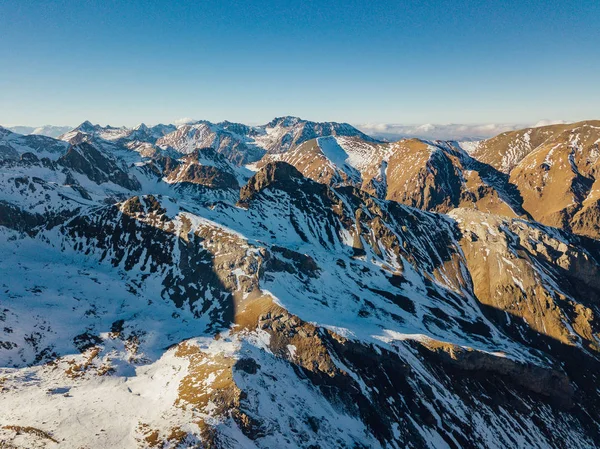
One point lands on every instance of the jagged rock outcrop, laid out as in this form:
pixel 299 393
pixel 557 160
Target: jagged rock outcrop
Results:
pixel 86 159
pixel 279 175
pixel 205 167
pixel 521 272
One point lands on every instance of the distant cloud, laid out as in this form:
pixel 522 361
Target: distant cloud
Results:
pixel 184 121
pixel 430 131
pixel 46 130
pixel 549 122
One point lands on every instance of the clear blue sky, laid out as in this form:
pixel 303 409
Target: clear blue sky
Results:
pixel 399 61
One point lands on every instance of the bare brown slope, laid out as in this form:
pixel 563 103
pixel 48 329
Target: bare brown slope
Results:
pixel 557 180
pixel 440 177
pixel 366 162
pixel 435 176
pixel 506 150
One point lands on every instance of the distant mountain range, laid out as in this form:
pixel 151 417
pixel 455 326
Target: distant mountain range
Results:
pixel 46 130
pixel 385 131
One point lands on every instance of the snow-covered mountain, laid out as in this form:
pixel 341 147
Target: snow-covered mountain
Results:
pixel 283 133
pixel 279 127
pixel 140 133
pixel 554 169
pixel 235 142
pixel 546 173
pixel 12 144
pixel 349 293
pixel 241 144
pixel 244 144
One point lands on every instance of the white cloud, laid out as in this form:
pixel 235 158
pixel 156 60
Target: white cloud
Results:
pixel 547 122
pixel 46 130
pixel 184 121
pixel 430 131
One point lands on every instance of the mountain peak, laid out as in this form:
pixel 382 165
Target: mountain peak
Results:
pixel 86 126
pixel 277 174
pixel 286 121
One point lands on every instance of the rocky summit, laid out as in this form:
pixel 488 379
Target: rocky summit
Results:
pixel 299 285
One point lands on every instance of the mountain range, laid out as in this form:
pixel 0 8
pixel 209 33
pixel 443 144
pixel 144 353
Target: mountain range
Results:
pixel 299 285
pixel 383 131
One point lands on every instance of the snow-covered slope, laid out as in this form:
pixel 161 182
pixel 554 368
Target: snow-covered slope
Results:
pixel 140 132
pixel 284 133
pixel 238 148
pixel 12 145
pixel 340 161
pixel 244 144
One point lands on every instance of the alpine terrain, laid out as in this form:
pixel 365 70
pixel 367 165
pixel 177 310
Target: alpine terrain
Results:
pixel 299 285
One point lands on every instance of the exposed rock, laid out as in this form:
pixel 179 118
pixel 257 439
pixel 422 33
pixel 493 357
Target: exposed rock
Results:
pixel 85 158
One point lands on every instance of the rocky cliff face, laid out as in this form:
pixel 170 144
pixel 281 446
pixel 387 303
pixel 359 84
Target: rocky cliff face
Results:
pixel 177 301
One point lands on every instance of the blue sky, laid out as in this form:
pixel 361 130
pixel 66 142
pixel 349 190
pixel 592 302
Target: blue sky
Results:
pixel 426 61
